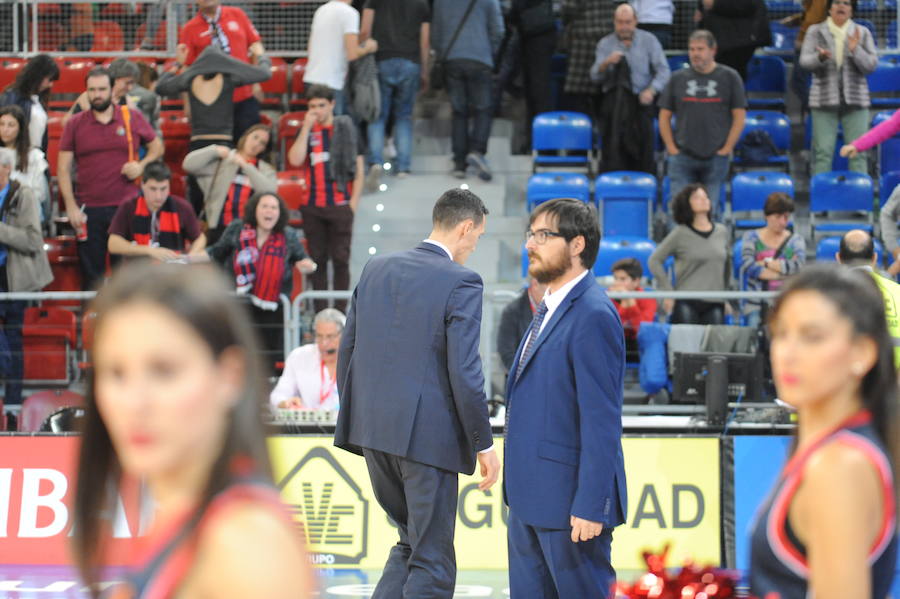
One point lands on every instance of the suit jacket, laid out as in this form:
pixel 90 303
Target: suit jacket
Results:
pixel 563 453
pixel 409 373
pixel 514 323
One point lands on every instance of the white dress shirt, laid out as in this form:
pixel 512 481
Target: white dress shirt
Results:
pixel 307 377
pixel 440 245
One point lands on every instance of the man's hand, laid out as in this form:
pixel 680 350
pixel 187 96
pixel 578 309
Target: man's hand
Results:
pixel 584 530
pixel 162 254
pixel 646 97
pixel 181 53
pixel 490 469
pixel 294 403
pixel 853 40
pixel 672 150
pixel 309 120
pixel 307 266
pixel 849 151
pixel 614 58
pixel 132 170
pixel 369 46
pixel 724 151
pixel 824 53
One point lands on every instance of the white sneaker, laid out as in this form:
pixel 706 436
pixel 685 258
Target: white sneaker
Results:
pixel 390 150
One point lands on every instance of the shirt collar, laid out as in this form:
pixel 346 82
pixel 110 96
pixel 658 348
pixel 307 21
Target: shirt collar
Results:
pixel 553 300
pixel 442 246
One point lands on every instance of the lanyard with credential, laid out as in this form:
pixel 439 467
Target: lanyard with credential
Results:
pixel 327 386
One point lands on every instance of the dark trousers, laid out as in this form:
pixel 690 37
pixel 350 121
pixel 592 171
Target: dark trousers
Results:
pixel 92 252
pixel 697 312
pixel 329 231
pixel 269 325
pixel 195 194
pixel 246 114
pixel 469 86
pixel 737 59
pixel 421 501
pixel 12 315
pixel 544 563
pixel 537 59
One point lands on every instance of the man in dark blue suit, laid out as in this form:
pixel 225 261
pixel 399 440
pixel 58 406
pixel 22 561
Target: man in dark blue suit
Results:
pixel 564 476
pixel 412 393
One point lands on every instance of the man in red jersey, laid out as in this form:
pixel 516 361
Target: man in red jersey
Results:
pixel 229 28
pixel 328 149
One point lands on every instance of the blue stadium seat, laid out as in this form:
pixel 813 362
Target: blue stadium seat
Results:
pixel 788 6
pixel 615 248
pixel 783 38
pixel 887 184
pixel 829 246
pixel 547 186
pixel 892 34
pixel 866 6
pixel 778 127
pixel 766 75
pixel 841 191
pixel 524 261
pixel 749 192
pixel 625 200
pixel 678 61
pixel 868 25
pixel 562 139
pixel 889 150
pixel 884 82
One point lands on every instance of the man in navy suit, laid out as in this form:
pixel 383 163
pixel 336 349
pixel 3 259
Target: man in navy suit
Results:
pixel 412 393
pixel 564 476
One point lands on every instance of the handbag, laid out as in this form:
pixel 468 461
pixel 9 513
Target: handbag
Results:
pixel 439 67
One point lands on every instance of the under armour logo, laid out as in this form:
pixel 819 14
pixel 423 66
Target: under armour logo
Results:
pixel 709 90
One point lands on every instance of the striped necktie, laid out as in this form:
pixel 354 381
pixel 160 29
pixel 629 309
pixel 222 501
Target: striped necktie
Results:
pixel 218 35
pixel 533 331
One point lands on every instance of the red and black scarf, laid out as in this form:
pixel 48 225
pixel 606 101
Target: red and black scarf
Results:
pixel 169 236
pixel 238 194
pixel 260 271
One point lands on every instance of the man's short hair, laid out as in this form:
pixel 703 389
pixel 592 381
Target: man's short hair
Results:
pixel 156 170
pixel 704 35
pixel 322 92
pixel 630 266
pixel 573 218
pixel 778 202
pixel 7 157
pixel 98 72
pixel 331 315
pixel 620 5
pixel 455 206
pixel 859 249
pixel 122 67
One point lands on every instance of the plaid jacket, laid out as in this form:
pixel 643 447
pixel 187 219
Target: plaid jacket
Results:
pixel 586 22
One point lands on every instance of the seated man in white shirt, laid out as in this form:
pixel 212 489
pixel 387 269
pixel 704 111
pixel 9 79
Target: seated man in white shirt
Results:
pixel 309 379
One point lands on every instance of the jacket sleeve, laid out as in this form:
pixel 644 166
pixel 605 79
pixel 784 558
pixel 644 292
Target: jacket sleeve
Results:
pixel 244 74
pixel 222 250
pixel 262 178
pixel 170 84
pixel 865 56
pixel 201 162
pixel 463 332
pixel 345 351
pixel 26 236
pixel 508 334
pixel 598 360
pixel 793 264
pixel 296 253
pixel 890 214
pixel 809 55
pixel 748 256
pixel 665 249
pixel 878 134
pixel 660 66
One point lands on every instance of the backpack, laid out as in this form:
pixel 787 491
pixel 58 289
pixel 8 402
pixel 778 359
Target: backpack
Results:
pixel 756 146
pixel 365 91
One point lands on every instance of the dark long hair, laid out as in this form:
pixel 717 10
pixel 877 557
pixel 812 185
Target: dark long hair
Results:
pixel 22 144
pixel 857 298
pixel 201 298
pixel 682 213
pixel 28 81
pixel 253 202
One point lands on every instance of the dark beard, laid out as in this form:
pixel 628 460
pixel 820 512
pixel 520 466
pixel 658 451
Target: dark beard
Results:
pixel 545 273
pixel 98 107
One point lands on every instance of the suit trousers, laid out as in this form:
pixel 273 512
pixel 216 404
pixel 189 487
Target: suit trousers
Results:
pixel 544 563
pixel 421 501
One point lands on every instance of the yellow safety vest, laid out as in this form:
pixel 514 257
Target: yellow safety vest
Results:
pixel 891 292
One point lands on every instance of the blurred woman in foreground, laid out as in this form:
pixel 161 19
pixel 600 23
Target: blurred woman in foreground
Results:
pixel 174 402
pixel 828 529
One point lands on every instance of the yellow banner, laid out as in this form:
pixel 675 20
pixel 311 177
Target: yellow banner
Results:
pixel 673 497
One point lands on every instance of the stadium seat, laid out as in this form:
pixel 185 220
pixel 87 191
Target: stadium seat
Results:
pixel 9 69
pixel 766 82
pixel 892 35
pixel 678 61
pixel 50 34
pixel 54 135
pixel 108 37
pixel 49 340
pixel 829 246
pixel 884 82
pixel 887 185
pixel 289 125
pixel 159 40
pixel 294 194
pixel 176 131
pixel 276 88
pixel 625 201
pixel 783 6
pixel 87 339
pixel 749 192
pixel 38 406
pixel 840 191
pixel 868 25
pixel 298 99
pixel 71 82
pixel 524 262
pixel 562 139
pixel 178 184
pixel 783 37
pixel 777 126
pixel 889 150
pixel 62 252
pixel 547 186
pixel 615 248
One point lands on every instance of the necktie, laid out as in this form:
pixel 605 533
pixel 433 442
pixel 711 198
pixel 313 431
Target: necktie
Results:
pixel 218 35
pixel 533 332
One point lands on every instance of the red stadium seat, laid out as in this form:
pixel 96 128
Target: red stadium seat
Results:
pixel 62 252
pixel 54 134
pixel 298 100
pixel 177 184
pixel 87 339
pixel 292 188
pixel 48 340
pixel 38 406
pixel 9 69
pixel 72 74
pixel 288 127
pixel 108 37
pixel 276 88
pixel 159 42
pixel 176 131
pixel 50 34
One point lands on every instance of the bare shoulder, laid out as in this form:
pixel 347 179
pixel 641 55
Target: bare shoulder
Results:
pixel 846 476
pixel 251 550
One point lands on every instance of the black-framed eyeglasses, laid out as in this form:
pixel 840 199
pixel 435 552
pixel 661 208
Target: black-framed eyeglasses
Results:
pixel 541 235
